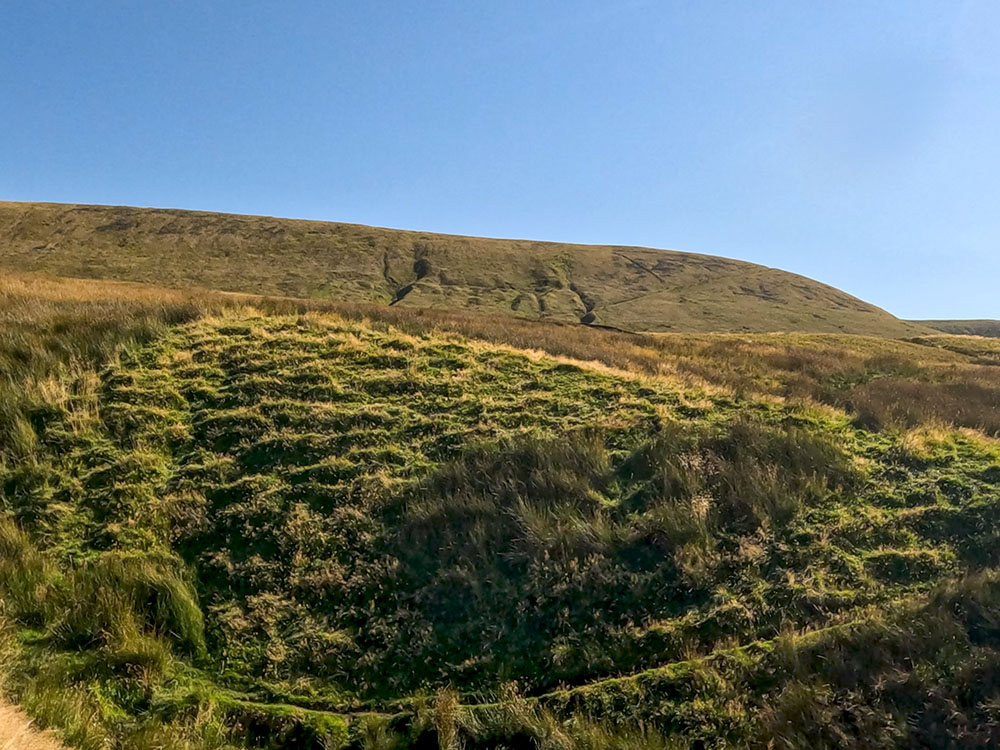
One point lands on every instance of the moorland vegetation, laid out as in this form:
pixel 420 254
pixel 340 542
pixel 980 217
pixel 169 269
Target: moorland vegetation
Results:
pixel 629 288
pixel 231 521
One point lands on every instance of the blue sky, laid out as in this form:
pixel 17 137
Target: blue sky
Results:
pixel 854 142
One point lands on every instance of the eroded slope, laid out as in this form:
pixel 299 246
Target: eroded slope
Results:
pixel 636 289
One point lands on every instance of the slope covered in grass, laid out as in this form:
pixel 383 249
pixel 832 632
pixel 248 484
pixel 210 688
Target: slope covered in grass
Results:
pixel 635 289
pixel 989 328
pixel 235 526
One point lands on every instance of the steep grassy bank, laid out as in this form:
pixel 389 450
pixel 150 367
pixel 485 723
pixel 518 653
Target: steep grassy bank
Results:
pixel 636 289
pixel 236 526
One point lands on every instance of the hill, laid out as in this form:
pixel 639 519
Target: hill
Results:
pixel 635 289
pixel 988 328
pixel 235 522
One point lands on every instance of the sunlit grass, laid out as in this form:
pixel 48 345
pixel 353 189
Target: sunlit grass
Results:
pixel 234 521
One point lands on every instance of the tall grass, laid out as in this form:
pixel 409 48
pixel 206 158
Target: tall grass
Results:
pixel 292 505
pixel 48 324
pixel 595 539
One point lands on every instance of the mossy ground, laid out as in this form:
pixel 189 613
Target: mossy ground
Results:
pixel 300 530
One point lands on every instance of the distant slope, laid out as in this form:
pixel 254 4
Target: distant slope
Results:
pixel 635 289
pixel 990 328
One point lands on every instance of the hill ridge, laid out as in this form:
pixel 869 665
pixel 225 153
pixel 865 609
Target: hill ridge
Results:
pixel 615 286
pixel 985 327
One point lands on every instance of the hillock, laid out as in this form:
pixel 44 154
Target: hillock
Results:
pixel 233 522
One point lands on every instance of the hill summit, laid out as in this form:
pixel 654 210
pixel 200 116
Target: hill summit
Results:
pixel 630 288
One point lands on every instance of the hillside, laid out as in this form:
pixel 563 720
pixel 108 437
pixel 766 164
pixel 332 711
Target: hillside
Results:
pixel 634 289
pixel 988 328
pixel 234 522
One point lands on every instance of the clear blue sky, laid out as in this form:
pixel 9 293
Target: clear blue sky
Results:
pixel 854 142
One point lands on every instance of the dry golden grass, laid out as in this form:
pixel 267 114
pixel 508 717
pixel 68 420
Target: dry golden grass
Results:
pixel 17 732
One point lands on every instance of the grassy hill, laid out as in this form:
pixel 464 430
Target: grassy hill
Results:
pixel 988 328
pixel 635 289
pixel 230 522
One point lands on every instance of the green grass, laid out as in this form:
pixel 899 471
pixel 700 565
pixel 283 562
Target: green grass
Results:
pixel 635 289
pixel 233 523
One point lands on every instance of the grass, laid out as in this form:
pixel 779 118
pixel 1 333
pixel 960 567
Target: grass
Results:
pixel 635 289
pixel 55 321
pixel 990 328
pixel 233 522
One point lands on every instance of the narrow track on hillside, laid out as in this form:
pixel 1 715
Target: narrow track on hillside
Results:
pixel 18 732
pixel 677 669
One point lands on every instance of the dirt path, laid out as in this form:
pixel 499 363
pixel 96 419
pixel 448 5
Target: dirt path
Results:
pixel 18 733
